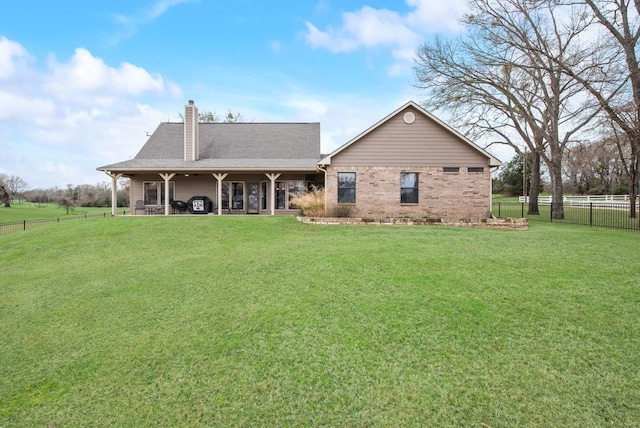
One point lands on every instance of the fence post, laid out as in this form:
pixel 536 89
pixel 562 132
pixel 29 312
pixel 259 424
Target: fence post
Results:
pixel 24 224
pixel 590 214
pixel 499 209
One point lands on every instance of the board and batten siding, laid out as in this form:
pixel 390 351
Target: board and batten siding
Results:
pixel 423 143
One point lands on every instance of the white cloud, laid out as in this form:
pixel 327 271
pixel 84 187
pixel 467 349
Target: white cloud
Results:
pixel 436 16
pixel 129 24
pixel 74 115
pixel 12 55
pixel 369 28
pixel 90 75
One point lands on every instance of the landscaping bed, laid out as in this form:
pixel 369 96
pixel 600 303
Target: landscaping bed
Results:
pixel 494 223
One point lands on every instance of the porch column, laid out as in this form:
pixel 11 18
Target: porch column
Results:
pixel 114 191
pixel 166 177
pixel 219 177
pixel 273 177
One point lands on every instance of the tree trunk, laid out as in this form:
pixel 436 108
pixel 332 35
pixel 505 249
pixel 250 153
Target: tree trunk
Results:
pixel 5 197
pixel 534 185
pixel 633 183
pixel 557 192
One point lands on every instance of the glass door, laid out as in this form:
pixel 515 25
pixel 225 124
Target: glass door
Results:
pixel 253 200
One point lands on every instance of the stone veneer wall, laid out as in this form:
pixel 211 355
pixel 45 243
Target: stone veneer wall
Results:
pixel 489 223
pixel 441 195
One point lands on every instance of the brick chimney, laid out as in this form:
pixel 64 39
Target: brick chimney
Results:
pixel 191 137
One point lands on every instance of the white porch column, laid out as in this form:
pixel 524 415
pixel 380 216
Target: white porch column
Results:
pixel 273 177
pixel 114 191
pixel 166 178
pixel 219 177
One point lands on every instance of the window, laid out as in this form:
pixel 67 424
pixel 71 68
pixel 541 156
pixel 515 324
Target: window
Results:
pixel 232 195
pixel 263 195
pixel 281 193
pixel 285 191
pixel 153 192
pixel 409 188
pixel 346 187
pixel 225 195
pixel 237 196
pixel 294 188
pixel 450 169
pixel 475 169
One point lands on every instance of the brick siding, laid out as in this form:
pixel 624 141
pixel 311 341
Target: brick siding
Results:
pixel 441 195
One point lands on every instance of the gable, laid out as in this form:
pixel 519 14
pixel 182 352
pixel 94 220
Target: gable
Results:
pixel 425 142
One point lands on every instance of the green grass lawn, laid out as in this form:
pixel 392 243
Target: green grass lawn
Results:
pixel 34 211
pixel 263 321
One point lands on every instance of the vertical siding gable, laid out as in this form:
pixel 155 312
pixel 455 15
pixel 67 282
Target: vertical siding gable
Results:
pixel 422 143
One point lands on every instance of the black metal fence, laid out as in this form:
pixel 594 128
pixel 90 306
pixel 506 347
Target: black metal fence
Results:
pixel 594 214
pixel 17 226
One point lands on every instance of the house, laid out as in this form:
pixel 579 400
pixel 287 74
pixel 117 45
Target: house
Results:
pixel 241 168
pixel 408 164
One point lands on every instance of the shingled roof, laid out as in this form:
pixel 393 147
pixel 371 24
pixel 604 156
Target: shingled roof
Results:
pixel 248 146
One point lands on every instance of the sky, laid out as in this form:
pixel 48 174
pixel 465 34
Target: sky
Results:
pixel 82 83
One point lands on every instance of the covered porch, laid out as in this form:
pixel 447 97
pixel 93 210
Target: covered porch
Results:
pixel 215 192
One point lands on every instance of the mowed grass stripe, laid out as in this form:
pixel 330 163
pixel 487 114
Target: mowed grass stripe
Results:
pixel 268 322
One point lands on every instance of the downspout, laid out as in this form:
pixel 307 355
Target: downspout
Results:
pixel 321 168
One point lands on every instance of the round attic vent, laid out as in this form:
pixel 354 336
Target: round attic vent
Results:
pixel 409 117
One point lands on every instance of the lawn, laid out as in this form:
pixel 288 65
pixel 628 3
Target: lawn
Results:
pixel 34 211
pixel 263 321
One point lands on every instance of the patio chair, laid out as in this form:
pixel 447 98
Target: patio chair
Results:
pixel 139 206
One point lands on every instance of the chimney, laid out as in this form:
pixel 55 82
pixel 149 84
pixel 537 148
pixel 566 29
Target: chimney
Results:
pixel 191 138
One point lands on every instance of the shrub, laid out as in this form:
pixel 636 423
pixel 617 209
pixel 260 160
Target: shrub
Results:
pixel 342 211
pixel 311 202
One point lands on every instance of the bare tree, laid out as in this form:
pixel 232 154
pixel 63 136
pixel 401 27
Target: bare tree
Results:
pixel 595 168
pixel 210 116
pixel 496 83
pixel 618 90
pixel 10 187
pixel 67 203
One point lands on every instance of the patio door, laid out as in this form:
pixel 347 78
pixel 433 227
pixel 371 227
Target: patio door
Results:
pixel 253 201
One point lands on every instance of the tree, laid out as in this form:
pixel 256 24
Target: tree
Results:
pixel 66 202
pixel 5 196
pixel 513 173
pixel 496 82
pixel 10 186
pixel 595 168
pixel 618 88
pixel 210 116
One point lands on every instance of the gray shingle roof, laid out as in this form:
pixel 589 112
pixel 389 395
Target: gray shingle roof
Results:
pixel 231 145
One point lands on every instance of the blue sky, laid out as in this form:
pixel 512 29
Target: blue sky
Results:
pixel 82 82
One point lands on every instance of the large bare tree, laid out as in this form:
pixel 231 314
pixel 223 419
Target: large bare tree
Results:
pixel 496 82
pixel 618 89
pixel 10 186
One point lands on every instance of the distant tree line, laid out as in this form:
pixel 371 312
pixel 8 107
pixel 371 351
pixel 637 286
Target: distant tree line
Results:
pixel 13 188
pixel 590 168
